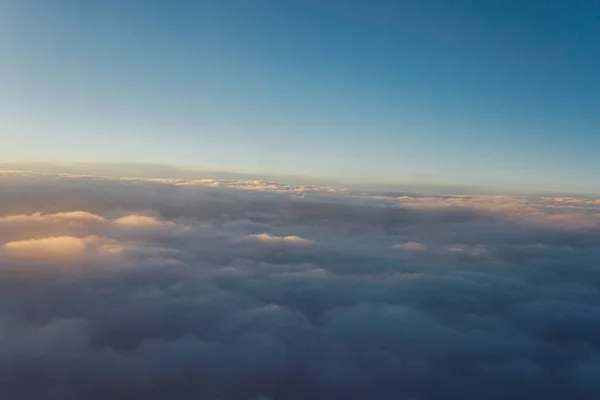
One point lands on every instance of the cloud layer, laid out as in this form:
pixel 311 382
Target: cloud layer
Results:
pixel 146 289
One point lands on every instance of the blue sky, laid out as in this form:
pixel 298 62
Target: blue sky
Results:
pixel 503 93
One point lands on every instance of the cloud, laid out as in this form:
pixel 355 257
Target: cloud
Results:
pixel 59 247
pixel 270 239
pixel 145 288
pixel 137 220
pixel 413 247
pixel 61 216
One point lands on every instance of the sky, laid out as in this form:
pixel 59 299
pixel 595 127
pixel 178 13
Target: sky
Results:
pixel 502 93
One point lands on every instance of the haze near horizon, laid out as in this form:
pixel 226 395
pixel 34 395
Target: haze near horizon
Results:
pixel 473 93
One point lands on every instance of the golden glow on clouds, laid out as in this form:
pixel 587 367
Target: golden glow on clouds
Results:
pixel 51 248
pixel 74 235
pixel 138 220
pixel 557 212
pixel 62 248
pixel 71 215
pixel 266 238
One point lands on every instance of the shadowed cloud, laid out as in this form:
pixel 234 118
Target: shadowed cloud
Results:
pixel 186 291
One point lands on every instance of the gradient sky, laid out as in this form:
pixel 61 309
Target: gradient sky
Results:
pixel 479 92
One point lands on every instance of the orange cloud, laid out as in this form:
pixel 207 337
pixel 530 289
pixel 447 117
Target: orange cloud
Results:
pixel 50 248
pixel 138 220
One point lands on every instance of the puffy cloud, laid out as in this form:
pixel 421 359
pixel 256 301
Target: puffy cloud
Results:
pixel 60 247
pixel 141 288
